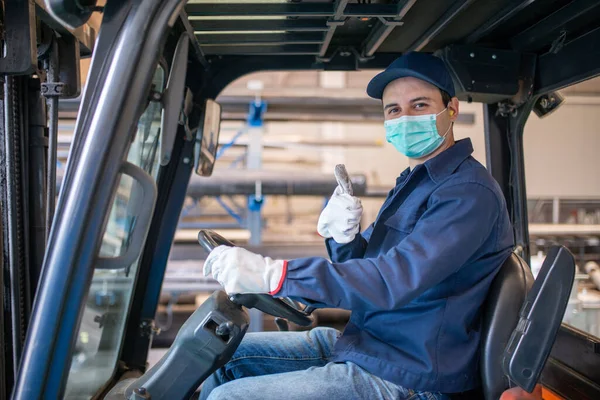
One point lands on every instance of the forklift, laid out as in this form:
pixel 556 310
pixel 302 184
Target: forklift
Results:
pixel 82 275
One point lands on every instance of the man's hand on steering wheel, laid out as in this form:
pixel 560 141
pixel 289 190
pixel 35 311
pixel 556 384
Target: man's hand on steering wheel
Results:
pixel 241 271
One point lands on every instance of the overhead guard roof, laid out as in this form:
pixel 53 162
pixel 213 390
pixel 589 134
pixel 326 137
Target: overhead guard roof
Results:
pixel 320 28
pixel 358 34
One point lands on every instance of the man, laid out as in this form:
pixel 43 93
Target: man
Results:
pixel 415 280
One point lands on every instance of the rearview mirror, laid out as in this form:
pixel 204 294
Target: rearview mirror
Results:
pixel 208 139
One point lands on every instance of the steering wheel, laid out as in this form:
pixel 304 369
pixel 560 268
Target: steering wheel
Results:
pixel 281 308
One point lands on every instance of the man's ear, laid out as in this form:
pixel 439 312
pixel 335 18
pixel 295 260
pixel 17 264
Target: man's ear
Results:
pixel 453 109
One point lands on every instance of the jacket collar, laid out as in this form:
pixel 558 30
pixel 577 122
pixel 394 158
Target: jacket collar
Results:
pixel 445 163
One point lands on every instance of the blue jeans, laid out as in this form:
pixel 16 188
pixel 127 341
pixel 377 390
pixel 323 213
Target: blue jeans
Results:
pixel 293 365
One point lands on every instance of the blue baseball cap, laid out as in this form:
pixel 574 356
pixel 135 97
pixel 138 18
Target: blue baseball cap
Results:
pixel 426 67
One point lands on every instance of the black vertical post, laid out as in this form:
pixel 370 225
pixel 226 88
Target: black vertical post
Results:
pixel 6 376
pixel 14 222
pixel 505 161
pixel 38 145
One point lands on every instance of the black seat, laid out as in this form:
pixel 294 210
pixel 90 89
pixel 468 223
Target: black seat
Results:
pixel 500 317
pixel 520 321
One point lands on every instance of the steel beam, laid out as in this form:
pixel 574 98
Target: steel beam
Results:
pixel 384 27
pixel 258 39
pixel 454 11
pixel 257 25
pixel 258 10
pixel 504 15
pixel 290 49
pixel 291 10
pixel 541 34
pixel 378 35
pixel 336 20
pixel 577 61
pixel 338 9
pixel 229 68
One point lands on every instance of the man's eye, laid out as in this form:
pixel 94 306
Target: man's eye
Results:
pixel 420 106
pixel 393 110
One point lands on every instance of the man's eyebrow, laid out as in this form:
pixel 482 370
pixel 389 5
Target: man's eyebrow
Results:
pixel 421 98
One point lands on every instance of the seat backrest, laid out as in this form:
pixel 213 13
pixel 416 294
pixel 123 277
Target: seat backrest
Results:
pixel 500 316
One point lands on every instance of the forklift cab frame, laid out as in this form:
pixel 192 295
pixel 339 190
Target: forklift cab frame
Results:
pixel 510 55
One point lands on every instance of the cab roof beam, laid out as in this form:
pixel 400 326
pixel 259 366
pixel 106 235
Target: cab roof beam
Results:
pixel 336 20
pixel 259 39
pixel 258 25
pixel 506 14
pixel 576 61
pixel 547 30
pixel 384 27
pixel 290 49
pixel 340 10
pixel 454 11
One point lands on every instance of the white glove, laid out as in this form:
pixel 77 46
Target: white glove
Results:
pixel 340 219
pixel 241 271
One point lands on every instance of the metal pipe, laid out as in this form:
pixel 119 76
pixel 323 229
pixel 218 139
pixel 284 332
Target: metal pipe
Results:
pixel 272 183
pixel 52 103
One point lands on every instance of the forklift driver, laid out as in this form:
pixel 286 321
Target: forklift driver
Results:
pixel 415 280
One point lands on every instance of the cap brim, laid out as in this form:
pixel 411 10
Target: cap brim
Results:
pixel 378 84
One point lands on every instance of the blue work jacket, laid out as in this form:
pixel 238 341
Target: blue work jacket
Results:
pixel 416 279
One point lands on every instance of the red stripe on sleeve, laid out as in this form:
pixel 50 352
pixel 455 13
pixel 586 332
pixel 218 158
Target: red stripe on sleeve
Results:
pixel 283 275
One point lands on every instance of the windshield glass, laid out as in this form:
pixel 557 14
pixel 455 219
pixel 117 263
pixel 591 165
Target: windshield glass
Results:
pixel 564 196
pixel 101 329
